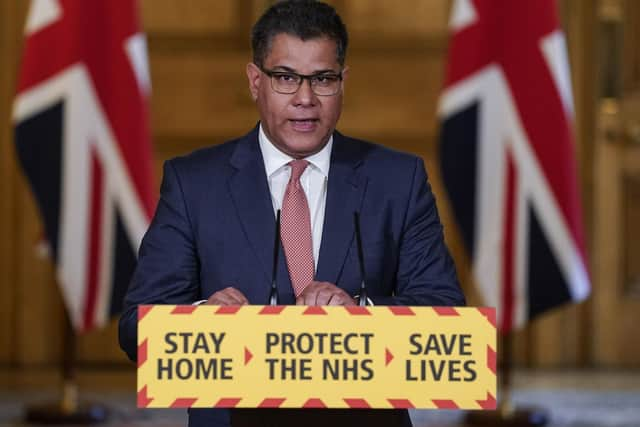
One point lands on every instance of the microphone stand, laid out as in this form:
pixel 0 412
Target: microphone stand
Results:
pixel 273 295
pixel 362 296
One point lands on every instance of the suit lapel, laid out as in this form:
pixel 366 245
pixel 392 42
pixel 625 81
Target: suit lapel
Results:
pixel 344 196
pixel 249 190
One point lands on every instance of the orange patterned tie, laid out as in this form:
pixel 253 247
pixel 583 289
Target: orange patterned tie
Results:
pixel 295 230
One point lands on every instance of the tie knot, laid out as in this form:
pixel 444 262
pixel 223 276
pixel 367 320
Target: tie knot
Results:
pixel 297 168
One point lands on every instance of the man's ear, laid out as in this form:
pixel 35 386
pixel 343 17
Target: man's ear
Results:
pixel 253 74
pixel 345 74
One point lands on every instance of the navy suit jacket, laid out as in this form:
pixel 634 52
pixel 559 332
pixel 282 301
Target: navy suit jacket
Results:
pixel 214 227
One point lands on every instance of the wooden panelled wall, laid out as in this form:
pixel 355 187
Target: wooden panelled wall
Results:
pixel 198 50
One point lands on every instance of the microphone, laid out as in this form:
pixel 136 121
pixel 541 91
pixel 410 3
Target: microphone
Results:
pixel 273 296
pixel 362 296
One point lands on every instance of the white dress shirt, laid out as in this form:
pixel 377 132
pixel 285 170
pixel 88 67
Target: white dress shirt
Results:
pixel 313 181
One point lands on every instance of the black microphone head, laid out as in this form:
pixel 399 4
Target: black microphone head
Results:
pixel 273 295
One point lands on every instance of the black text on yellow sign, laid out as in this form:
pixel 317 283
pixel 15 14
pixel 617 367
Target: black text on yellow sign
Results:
pixel 255 356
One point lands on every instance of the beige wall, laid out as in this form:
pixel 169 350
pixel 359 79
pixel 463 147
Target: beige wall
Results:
pixel 198 50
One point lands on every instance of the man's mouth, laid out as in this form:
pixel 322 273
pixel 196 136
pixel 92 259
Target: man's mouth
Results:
pixel 303 125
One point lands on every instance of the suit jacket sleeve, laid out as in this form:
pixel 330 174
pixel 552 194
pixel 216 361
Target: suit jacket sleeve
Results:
pixel 167 270
pixel 426 273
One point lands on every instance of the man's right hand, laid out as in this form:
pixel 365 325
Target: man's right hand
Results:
pixel 227 296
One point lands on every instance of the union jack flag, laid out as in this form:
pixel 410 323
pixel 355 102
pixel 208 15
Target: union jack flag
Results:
pixel 82 138
pixel 507 156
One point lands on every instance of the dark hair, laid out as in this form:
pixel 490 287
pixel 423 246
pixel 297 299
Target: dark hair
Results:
pixel 305 19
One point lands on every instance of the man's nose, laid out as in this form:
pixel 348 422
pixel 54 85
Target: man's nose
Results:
pixel 305 95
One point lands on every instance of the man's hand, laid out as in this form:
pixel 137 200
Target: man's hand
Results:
pixel 227 296
pixel 324 293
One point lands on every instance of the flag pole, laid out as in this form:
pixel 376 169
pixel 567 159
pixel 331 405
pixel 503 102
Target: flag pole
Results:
pixel 69 409
pixel 507 414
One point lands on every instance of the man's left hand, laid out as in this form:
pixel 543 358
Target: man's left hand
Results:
pixel 324 293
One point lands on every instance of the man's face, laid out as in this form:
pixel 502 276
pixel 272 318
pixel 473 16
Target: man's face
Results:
pixel 301 123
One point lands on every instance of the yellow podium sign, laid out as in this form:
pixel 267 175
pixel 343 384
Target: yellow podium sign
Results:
pixel 316 357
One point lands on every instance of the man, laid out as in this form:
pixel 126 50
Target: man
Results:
pixel 211 239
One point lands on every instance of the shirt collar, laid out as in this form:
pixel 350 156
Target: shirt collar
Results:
pixel 274 159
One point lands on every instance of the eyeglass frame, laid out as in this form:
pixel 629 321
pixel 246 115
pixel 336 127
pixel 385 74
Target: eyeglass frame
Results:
pixel 303 77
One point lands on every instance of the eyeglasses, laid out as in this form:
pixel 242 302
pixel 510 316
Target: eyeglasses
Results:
pixel 288 82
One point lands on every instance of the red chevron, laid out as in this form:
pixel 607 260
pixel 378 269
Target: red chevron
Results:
pixel 143 399
pixel 272 309
pixel 227 402
pixel 228 309
pixel 314 403
pixel 184 402
pixel 444 404
pixel 356 310
pixel 357 403
pixel 489 313
pixel 142 352
pixel 272 402
pixel 143 310
pixel 314 310
pixel 489 403
pixel 491 359
pixel 399 310
pixel 401 403
pixel 446 311
pixel 184 309
pixel 388 357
